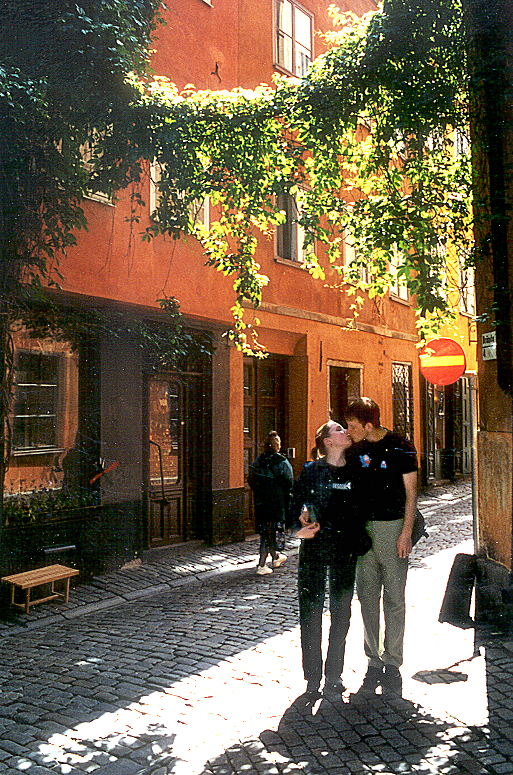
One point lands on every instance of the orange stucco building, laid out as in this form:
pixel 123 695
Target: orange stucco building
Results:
pixel 176 445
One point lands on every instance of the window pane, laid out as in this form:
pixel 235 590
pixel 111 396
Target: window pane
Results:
pixel 302 61
pixel 165 432
pixel 36 397
pixel 286 237
pixel 303 30
pixel 284 16
pixel 248 421
pixel 248 379
pixel 402 391
pixel 34 432
pixel 36 368
pixel 199 210
pixel 267 421
pixel 284 51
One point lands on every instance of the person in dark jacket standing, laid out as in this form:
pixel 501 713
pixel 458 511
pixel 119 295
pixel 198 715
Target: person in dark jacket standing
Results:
pixel 271 479
pixel 325 502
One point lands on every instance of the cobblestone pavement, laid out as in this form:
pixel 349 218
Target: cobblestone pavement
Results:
pixel 190 664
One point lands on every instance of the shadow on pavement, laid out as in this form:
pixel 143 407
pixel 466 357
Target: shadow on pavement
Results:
pixel 360 735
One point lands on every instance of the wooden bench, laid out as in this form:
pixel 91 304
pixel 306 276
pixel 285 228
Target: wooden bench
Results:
pixel 36 578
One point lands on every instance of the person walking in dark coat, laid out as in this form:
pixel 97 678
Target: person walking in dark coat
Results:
pixel 325 502
pixel 271 479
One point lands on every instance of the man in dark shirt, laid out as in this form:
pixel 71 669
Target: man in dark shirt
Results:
pixel 388 466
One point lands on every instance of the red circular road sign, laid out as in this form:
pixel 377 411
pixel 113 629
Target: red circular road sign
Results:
pixel 442 361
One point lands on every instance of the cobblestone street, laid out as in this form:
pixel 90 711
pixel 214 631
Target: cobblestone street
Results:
pixel 190 664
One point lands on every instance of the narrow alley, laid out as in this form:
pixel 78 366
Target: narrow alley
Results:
pixel 190 664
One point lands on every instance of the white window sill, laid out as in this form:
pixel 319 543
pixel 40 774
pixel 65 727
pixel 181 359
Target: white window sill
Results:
pixel 46 451
pixel 289 262
pixel 406 302
pixel 103 200
pixel 290 75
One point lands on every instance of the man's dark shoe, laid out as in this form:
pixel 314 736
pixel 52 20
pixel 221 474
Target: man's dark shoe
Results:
pixel 372 680
pixel 392 682
pixel 333 690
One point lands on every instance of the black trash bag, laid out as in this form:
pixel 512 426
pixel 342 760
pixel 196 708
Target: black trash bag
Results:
pixel 458 594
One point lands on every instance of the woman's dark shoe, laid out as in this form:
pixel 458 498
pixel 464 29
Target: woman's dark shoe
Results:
pixel 333 690
pixel 312 691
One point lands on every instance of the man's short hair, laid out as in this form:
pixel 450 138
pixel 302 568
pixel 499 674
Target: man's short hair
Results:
pixel 364 410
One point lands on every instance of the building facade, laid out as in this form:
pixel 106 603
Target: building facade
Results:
pixel 168 451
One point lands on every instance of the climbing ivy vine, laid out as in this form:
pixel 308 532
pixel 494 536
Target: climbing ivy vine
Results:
pixel 374 140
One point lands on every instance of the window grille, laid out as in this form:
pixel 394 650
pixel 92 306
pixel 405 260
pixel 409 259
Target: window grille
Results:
pixel 402 388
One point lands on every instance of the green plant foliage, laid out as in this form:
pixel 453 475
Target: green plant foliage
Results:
pixel 369 130
pixel 165 342
pixel 44 504
pixel 378 113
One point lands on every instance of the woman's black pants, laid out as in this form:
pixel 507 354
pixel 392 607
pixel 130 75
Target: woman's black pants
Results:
pixel 319 559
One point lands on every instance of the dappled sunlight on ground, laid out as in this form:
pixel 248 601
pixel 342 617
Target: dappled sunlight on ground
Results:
pixel 193 720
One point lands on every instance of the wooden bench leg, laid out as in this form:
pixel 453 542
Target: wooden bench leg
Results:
pixel 66 597
pixel 27 600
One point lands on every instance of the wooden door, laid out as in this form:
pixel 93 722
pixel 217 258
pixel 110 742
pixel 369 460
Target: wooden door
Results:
pixel 265 409
pixel 165 489
pixel 178 457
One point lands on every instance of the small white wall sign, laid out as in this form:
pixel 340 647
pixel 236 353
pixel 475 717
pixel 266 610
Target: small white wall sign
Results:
pixel 490 346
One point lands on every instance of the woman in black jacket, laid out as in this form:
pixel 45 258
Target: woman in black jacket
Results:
pixel 271 479
pixel 325 502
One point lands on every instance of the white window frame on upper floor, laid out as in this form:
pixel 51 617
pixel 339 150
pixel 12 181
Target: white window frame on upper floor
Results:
pixel 293 51
pixel 87 150
pixel 199 209
pixel 350 255
pixel 398 290
pixel 296 253
pixel 467 290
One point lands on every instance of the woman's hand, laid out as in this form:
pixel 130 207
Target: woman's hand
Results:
pixel 309 529
pixel 304 517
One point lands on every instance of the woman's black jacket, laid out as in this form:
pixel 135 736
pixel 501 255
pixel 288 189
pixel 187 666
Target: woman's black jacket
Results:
pixel 314 488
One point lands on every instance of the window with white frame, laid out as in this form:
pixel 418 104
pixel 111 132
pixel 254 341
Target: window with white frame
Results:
pixel 461 142
pixel 467 289
pixel 290 235
pixel 398 287
pixel 350 258
pixel 36 403
pixel 199 208
pixel 439 256
pixel 294 36
pixel 88 152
